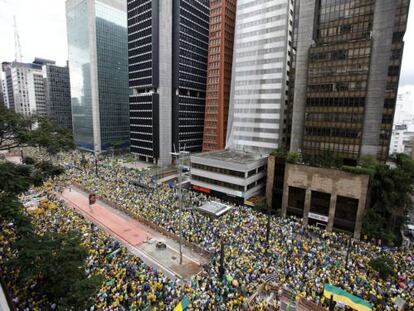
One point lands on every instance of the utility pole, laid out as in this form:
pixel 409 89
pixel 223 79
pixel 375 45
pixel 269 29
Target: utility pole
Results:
pixel 221 268
pixel 96 165
pixel 183 167
pixel 180 202
pixel 268 229
pixel 96 161
pixel 347 252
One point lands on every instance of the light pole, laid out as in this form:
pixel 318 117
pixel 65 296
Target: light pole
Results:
pixel 96 153
pixel 221 268
pixel 96 165
pixel 347 252
pixel 183 166
pixel 180 202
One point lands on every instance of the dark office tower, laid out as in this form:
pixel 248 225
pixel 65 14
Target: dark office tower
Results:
pixel 167 46
pixel 220 57
pixel 348 62
pixel 57 89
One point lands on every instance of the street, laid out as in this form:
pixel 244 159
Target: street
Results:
pixel 139 238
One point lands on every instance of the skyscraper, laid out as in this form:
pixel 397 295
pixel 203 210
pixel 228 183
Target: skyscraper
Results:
pixel 220 57
pixel 261 64
pixel 347 70
pixel 25 86
pixel 8 85
pixel 97 41
pixel 57 91
pixel 2 89
pixel 168 46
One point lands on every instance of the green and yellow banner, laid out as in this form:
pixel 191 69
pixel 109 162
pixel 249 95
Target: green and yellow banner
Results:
pixel 346 298
pixel 182 306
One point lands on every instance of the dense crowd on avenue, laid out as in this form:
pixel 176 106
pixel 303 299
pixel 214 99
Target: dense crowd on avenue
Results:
pixel 302 259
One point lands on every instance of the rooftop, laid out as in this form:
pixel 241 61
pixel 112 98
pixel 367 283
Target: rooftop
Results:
pixel 237 157
pixel 214 208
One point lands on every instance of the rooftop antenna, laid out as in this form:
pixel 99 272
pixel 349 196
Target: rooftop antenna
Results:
pixel 17 46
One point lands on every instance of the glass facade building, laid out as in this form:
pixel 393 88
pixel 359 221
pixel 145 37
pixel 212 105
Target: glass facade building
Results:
pixel 348 62
pixel 98 62
pixel 58 102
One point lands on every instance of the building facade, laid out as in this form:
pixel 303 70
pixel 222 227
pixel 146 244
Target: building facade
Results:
pixel 8 85
pixel 260 75
pixel 220 59
pixel 167 53
pixel 325 197
pixel 57 90
pixel 25 87
pixel 348 59
pixel 402 138
pixel 232 175
pixel 98 65
pixel 403 126
pixel 2 89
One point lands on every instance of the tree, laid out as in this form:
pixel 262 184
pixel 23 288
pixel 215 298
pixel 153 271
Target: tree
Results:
pixel 57 267
pixel 293 157
pixel 17 130
pixel 14 129
pixel 17 178
pixel 325 159
pixel 384 266
pixel 50 136
pixel 391 191
pixel 29 161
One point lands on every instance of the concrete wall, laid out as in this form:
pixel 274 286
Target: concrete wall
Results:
pixel 306 31
pixel 96 120
pixel 270 180
pixel 165 74
pixel 327 180
pixel 382 33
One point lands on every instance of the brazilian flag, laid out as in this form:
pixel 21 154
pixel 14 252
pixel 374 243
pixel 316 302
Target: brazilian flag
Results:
pixel 182 306
pixel 346 298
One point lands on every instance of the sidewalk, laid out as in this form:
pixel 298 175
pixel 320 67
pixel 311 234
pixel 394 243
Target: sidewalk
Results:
pixel 4 306
pixel 137 237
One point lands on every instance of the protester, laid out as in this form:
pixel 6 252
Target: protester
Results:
pixel 302 259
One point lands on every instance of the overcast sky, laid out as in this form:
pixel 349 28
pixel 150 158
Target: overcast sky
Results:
pixel 42 30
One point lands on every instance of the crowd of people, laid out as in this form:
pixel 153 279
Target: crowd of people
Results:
pixel 301 259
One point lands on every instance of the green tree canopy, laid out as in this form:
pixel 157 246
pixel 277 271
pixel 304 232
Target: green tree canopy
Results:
pixel 390 198
pixel 57 267
pixel 384 266
pixel 17 178
pixel 14 178
pixel 17 130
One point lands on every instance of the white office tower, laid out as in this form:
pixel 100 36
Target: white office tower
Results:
pixel 25 88
pixel 261 60
pixel 3 87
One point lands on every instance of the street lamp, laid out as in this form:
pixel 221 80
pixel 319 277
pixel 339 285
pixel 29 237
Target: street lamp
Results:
pixel 96 160
pixel 183 167
pixel 348 252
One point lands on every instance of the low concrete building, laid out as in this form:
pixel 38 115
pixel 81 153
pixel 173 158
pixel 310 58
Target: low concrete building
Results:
pixel 231 175
pixel 325 197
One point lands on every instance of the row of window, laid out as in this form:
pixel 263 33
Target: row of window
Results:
pixel 338 87
pixel 332 132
